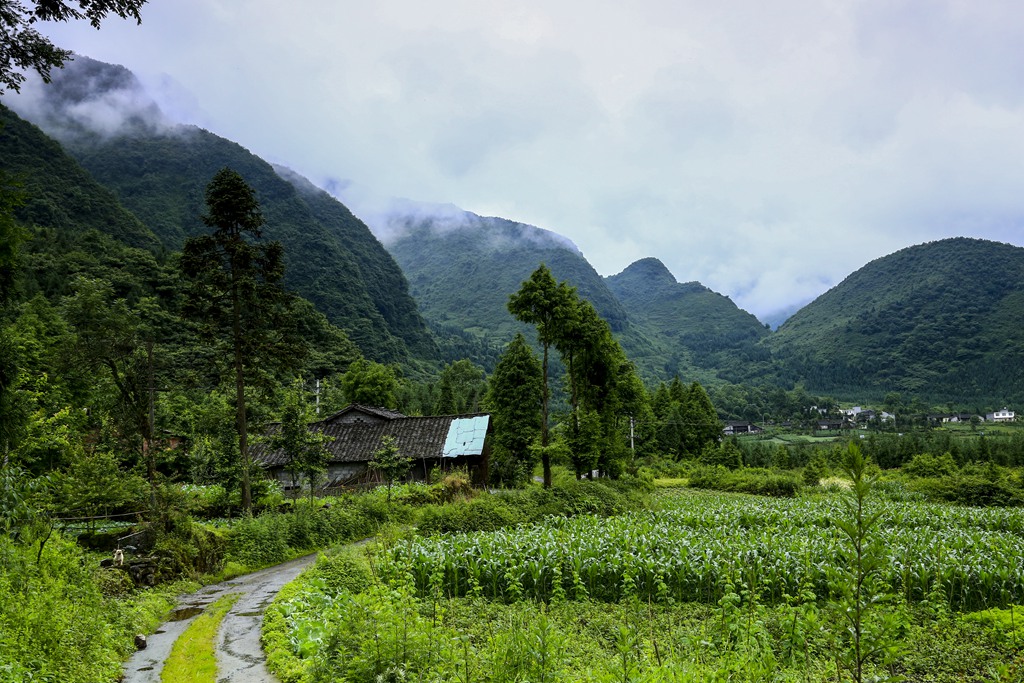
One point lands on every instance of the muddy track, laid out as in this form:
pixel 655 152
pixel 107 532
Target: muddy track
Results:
pixel 240 658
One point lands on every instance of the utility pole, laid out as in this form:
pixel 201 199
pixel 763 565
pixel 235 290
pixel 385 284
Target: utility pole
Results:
pixel 151 437
pixel 317 395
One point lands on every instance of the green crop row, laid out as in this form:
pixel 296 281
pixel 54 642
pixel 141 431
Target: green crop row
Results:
pixel 691 550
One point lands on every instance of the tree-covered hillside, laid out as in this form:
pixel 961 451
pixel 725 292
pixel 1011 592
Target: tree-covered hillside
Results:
pixel 159 171
pixel 57 192
pixel 703 332
pixel 463 267
pixel 941 320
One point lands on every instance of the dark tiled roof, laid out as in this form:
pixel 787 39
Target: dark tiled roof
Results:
pixel 386 413
pixel 416 437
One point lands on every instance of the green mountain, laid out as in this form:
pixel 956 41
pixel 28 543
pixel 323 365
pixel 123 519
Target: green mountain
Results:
pixel 159 172
pixel 58 193
pixel 941 320
pixel 462 268
pixel 704 333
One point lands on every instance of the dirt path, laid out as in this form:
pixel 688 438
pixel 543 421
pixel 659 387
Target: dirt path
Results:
pixel 240 658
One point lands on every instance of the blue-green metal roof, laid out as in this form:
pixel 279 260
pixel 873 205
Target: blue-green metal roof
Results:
pixel 465 436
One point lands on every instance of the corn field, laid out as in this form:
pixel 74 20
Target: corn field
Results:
pixel 691 550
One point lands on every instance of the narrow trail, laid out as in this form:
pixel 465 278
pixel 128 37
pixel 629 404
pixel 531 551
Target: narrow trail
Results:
pixel 240 658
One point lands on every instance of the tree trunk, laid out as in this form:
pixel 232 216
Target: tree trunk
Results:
pixel 240 421
pixel 545 457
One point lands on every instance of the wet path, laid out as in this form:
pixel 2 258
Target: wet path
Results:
pixel 240 658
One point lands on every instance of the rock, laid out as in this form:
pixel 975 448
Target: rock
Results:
pixel 140 642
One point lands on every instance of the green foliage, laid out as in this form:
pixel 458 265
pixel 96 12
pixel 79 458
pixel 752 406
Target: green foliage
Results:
pixel 968 489
pixel 275 537
pixel 370 383
pixel 305 449
pixel 725 454
pixel 21 499
pixel 27 49
pixel 548 305
pixel 235 293
pixel 389 462
pixel 95 483
pixel 514 400
pixel 57 624
pixel 864 634
pixel 461 388
pixel 815 470
pixel 928 465
pixel 756 481
pixel 341 570
pixel 486 513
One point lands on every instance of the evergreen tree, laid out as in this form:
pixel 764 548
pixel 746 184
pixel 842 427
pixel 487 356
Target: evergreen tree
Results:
pixel 702 426
pixel 514 400
pixel 460 388
pixel 546 304
pixel 235 292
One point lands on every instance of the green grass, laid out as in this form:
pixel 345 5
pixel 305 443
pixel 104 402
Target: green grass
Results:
pixel 192 658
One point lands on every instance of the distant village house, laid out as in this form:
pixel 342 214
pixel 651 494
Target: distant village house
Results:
pixel 1003 415
pixel 734 427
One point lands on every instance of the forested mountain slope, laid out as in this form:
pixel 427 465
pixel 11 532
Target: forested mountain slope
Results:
pixel 160 171
pixel 463 267
pixel 57 192
pixel 940 320
pixel 700 328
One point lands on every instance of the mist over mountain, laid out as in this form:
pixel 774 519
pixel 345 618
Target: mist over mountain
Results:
pixel 942 321
pixel 462 267
pixel 159 171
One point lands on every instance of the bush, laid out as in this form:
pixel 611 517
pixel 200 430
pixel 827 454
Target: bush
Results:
pixel 486 513
pixel 926 465
pixel 969 490
pixel 56 624
pixel 752 480
pixel 276 537
pixel 815 470
pixel 342 571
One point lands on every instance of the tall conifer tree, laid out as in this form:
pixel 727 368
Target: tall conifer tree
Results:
pixel 235 292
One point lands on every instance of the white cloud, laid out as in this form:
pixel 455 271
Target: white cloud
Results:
pixel 765 149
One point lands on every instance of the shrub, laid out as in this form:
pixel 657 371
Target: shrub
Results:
pixel 928 465
pixel 342 571
pixel 748 480
pixel 486 513
pixel 969 490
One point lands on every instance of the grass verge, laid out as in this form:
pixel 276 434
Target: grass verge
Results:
pixel 192 658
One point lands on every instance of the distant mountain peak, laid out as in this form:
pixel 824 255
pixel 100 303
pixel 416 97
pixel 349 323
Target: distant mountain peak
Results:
pixel 650 270
pixel 400 218
pixel 89 97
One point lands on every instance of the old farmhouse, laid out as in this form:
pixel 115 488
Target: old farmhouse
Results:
pixel 445 442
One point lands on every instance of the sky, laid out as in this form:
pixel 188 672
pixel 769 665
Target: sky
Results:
pixel 765 149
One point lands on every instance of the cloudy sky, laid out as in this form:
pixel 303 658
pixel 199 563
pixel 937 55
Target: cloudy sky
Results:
pixel 766 149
